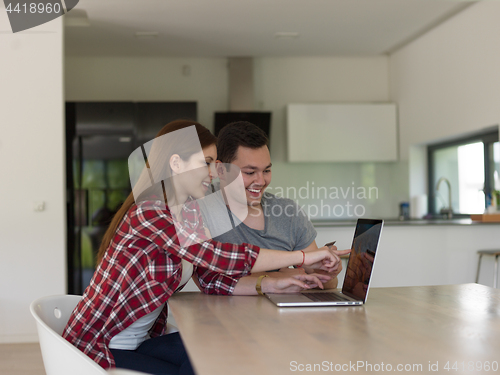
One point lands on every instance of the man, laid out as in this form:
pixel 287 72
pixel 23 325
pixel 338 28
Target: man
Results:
pixel 272 222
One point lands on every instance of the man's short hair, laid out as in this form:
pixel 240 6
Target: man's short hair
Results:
pixel 236 134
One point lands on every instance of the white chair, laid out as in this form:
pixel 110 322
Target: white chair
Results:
pixel 59 356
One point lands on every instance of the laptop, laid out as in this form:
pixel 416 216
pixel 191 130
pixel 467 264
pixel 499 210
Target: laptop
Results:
pixel 357 276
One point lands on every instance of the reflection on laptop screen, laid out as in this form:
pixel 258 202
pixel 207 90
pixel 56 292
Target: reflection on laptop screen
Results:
pixel 359 268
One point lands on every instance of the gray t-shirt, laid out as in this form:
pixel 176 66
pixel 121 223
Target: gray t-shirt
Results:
pixel 286 226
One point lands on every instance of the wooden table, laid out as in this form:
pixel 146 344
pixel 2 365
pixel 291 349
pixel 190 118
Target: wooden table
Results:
pixel 412 329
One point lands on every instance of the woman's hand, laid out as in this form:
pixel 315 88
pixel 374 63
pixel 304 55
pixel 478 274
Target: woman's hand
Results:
pixel 325 258
pixel 293 284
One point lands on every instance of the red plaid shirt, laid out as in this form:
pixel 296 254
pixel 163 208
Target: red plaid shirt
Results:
pixel 141 270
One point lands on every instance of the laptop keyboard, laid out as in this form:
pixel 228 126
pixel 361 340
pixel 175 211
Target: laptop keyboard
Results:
pixel 325 297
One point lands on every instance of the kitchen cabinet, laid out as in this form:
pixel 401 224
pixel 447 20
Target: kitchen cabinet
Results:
pixel 325 132
pixel 414 255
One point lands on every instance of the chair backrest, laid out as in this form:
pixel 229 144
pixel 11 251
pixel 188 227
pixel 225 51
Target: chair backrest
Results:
pixel 59 356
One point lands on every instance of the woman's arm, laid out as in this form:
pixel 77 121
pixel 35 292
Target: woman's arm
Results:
pixel 151 223
pixel 323 259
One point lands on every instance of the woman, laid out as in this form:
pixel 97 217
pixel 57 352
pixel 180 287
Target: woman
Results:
pixel 151 243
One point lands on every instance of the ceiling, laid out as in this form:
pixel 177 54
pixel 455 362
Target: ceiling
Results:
pixel 231 28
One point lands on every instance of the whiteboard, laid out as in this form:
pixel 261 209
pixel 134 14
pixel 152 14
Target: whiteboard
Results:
pixel 341 132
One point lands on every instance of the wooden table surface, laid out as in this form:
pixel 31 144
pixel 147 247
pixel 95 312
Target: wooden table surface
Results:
pixel 408 329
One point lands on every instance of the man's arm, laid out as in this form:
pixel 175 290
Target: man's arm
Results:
pixel 246 285
pixel 279 283
pixel 212 283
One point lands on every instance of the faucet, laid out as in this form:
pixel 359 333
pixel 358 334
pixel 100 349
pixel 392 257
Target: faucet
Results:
pixel 446 211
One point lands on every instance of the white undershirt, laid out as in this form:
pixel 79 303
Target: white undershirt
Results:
pixel 138 332
pixel 187 272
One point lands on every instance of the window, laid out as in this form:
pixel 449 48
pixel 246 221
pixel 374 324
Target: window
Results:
pixel 471 166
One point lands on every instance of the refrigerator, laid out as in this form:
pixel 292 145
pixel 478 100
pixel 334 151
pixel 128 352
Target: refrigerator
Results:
pixel 100 136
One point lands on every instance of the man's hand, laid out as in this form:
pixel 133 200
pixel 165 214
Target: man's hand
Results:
pixel 292 284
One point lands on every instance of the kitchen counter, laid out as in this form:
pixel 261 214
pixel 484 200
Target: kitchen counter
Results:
pixel 395 222
pixel 423 252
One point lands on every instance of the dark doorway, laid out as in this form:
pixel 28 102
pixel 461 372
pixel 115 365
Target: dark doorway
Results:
pixel 100 136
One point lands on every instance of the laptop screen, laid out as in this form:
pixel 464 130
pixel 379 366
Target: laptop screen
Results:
pixel 362 258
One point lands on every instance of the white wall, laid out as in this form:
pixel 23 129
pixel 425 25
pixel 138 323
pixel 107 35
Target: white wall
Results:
pixel 280 81
pixel 447 82
pixel 32 247
pixel 150 79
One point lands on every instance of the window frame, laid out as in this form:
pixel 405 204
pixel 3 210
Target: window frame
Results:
pixel 488 138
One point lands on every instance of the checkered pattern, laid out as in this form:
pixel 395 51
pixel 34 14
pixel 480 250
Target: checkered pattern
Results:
pixel 141 270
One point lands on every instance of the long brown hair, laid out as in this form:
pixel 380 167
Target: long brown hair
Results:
pixel 206 139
